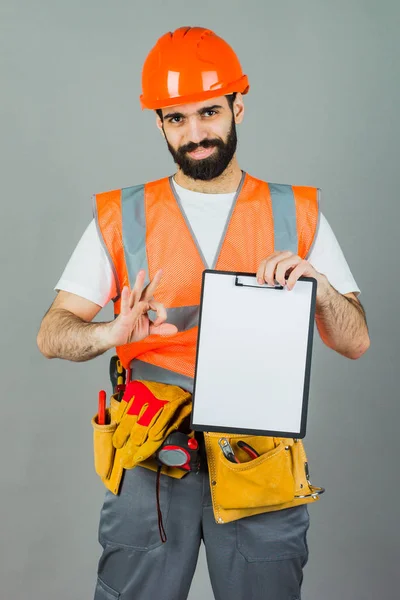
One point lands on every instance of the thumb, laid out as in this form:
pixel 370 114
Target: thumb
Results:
pixel 123 432
pixel 163 329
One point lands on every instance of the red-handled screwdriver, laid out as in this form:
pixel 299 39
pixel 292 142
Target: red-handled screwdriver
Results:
pixel 101 413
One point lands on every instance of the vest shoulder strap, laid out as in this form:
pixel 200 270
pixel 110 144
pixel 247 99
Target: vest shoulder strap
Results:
pixel 295 211
pixel 109 210
pixel 307 201
pixel 108 217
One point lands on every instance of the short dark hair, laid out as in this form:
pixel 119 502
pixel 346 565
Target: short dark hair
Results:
pixel 229 97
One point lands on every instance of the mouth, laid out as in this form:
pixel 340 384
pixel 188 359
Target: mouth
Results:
pixel 200 153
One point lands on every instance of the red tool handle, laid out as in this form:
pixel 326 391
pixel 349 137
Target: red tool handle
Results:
pixel 101 416
pixel 249 449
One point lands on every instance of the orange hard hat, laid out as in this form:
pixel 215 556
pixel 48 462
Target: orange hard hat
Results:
pixel 190 64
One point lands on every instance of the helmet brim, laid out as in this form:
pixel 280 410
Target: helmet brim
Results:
pixel 241 85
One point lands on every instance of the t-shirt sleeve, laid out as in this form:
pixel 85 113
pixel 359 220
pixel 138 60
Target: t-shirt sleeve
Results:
pixel 88 272
pixel 327 258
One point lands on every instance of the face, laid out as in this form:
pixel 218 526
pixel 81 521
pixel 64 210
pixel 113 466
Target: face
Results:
pixel 202 136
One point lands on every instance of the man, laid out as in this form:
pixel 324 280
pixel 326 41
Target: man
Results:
pixel 147 254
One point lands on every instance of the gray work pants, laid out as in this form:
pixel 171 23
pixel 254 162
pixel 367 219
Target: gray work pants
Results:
pixel 259 557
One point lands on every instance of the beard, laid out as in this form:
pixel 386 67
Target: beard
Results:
pixel 211 167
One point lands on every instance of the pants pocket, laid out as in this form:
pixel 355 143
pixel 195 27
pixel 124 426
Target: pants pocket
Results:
pixel 104 450
pixel 276 535
pixel 104 592
pixel 130 519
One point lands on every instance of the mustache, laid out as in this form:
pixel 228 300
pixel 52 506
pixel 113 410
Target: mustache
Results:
pixel 191 146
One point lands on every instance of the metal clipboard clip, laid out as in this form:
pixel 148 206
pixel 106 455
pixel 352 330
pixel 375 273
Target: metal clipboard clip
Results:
pixel 263 286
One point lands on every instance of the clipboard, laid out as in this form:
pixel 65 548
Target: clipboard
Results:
pixel 253 361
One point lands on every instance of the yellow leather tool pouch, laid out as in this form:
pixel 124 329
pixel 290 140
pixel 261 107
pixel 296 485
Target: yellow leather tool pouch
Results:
pixel 276 479
pixel 107 460
pixel 104 450
pixel 266 480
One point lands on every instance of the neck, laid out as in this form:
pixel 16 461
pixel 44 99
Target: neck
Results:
pixel 224 184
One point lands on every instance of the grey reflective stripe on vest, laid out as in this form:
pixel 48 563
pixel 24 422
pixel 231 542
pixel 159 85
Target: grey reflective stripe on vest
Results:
pixel 284 213
pixel 134 231
pixel 147 372
pixel 184 317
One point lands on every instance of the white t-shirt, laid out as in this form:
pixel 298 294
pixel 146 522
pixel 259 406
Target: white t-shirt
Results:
pixel 89 273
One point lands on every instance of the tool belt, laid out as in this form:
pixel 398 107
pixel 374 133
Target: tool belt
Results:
pixel 276 479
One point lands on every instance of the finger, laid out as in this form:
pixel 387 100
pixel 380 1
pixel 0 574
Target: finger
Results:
pixel 261 268
pixel 283 266
pixel 295 274
pixel 137 288
pixel 160 310
pixel 125 294
pixel 260 272
pixel 149 290
pixel 139 309
pixel 164 329
pixel 270 267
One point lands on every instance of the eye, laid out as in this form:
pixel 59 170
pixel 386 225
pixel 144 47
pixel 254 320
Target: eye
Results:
pixel 175 120
pixel 210 113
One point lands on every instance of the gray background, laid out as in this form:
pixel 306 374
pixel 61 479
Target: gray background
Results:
pixel 323 110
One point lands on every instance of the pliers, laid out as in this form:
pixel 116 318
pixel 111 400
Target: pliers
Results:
pixel 229 453
pixel 247 448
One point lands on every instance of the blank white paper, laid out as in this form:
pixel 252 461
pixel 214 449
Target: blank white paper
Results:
pixel 252 352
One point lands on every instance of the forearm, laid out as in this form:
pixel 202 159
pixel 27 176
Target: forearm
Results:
pixel 341 322
pixel 65 335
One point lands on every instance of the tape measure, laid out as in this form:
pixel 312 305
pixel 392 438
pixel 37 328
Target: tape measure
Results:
pixel 180 451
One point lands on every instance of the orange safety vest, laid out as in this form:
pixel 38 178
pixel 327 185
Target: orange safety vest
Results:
pixel 144 227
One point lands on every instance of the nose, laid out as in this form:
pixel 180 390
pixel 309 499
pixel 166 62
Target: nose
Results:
pixel 196 130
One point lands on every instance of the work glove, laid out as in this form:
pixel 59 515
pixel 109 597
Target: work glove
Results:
pixel 148 413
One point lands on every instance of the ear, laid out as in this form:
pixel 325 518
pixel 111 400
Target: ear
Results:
pixel 238 108
pixel 159 124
